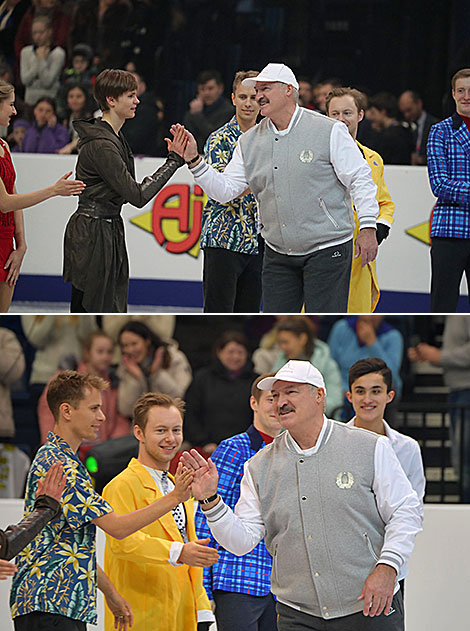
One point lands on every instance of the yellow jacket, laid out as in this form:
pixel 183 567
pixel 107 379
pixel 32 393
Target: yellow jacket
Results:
pixel 364 290
pixel 162 597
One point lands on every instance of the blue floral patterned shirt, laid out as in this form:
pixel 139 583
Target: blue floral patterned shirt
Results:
pixel 232 226
pixel 57 570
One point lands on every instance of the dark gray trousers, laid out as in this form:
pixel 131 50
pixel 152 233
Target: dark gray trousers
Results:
pixel 290 619
pixel 236 612
pixel 319 280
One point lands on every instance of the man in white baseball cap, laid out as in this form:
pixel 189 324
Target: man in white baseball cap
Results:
pixel 302 168
pixel 337 512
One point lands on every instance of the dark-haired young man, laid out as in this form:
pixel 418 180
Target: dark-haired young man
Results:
pixel 95 255
pixel 55 584
pixel 240 586
pixel 370 390
pixel 158 568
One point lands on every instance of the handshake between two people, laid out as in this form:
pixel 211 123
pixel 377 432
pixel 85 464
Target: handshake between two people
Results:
pixel 197 476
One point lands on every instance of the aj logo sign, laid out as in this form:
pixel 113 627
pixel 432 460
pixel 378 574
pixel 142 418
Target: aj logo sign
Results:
pixel 175 218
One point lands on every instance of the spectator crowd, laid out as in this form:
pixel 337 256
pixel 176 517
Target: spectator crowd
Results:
pixel 210 364
pixel 52 50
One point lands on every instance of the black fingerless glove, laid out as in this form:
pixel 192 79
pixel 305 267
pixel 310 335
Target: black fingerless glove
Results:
pixel 382 232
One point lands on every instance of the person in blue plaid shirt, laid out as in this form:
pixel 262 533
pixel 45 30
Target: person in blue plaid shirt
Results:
pixel 241 586
pixel 448 153
pixel 55 585
pixel 229 232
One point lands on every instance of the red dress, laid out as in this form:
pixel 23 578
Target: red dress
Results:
pixel 7 220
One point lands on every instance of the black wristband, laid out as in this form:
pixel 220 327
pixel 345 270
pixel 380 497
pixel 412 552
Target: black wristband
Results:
pixel 189 162
pixel 208 500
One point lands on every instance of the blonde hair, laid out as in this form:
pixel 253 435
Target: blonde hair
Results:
pixel 5 89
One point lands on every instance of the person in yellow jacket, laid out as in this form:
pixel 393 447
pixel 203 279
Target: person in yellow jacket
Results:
pixel 347 105
pixel 159 568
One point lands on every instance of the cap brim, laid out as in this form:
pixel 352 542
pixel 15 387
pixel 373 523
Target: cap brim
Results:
pixel 268 382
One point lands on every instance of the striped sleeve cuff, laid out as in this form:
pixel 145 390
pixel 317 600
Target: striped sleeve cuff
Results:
pixel 200 169
pixel 367 222
pixel 391 558
pixel 217 512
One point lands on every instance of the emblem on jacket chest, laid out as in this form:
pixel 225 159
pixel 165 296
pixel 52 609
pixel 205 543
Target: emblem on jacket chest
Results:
pixel 306 155
pixel 344 480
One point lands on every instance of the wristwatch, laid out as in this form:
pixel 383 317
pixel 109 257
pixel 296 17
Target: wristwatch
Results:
pixel 208 500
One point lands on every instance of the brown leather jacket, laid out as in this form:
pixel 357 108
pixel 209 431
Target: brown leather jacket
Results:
pixel 17 537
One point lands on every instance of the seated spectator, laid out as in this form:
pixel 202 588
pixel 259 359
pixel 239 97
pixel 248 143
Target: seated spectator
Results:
pixel 102 24
pixel 45 135
pixel 162 325
pixel 77 108
pixel 394 141
pixel 145 131
pixel 41 63
pixel 11 14
pixel 12 365
pixel 98 349
pixel 297 339
pixel 81 72
pixel 210 109
pixel 54 336
pixel 19 130
pixel 305 93
pixel 60 23
pixel 148 364
pixel 420 121
pixel 217 401
pixel 321 91
pixel 360 337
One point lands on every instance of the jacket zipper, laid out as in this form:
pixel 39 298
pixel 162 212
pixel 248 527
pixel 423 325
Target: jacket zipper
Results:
pixel 327 213
pixel 369 545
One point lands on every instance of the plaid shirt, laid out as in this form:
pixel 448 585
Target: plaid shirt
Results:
pixel 57 570
pixel 231 226
pixel 251 573
pixel 448 152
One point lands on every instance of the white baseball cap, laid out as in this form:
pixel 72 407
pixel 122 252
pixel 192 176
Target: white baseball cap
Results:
pixel 273 72
pixel 299 371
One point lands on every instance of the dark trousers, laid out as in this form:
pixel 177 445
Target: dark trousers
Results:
pixel 450 258
pixel 234 612
pixel 43 621
pixel 319 280
pixel 76 301
pixel 290 619
pixel 231 281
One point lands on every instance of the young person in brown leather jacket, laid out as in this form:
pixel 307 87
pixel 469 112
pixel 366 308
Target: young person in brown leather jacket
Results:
pixel 95 255
pixel 46 507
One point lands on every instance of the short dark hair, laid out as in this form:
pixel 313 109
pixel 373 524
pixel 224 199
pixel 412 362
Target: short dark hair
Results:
pixel 208 75
pixel 385 101
pixel 298 325
pixel 370 365
pixel 112 82
pixel 154 399
pixel 359 98
pixel 241 75
pixel 46 99
pixel 142 330
pixel 255 391
pixel 231 336
pixel 70 387
pixel 464 73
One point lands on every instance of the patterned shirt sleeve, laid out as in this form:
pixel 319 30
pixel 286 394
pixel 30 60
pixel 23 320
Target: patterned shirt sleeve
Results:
pixel 80 502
